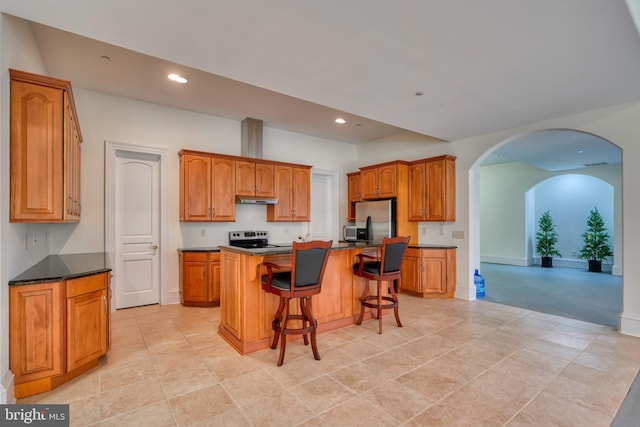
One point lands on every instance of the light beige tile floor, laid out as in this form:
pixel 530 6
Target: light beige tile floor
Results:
pixel 454 363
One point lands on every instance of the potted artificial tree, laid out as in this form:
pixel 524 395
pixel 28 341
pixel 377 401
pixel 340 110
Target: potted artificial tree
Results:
pixel 546 239
pixel 595 237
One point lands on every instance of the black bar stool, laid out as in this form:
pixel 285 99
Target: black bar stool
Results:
pixel 302 281
pixel 385 268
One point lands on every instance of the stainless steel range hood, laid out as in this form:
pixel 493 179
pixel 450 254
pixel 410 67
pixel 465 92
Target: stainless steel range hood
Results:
pixel 254 200
pixel 251 140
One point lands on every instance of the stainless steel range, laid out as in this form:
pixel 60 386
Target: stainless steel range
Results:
pixel 250 239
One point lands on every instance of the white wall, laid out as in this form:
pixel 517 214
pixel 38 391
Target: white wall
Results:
pixel 569 199
pixel 18 50
pixel 507 238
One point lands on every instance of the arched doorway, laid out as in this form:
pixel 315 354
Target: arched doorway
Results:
pixel 505 221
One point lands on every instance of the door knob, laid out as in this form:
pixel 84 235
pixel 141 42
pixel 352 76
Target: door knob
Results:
pixel 154 247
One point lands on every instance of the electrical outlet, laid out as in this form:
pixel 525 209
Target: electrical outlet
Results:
pixel 457 234
pixel 26 242
pixel 285 231
pixel 424 230
pixel 203 232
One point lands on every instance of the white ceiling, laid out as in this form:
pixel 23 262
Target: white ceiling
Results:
pixel 482 66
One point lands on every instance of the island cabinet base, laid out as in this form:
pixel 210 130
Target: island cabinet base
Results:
pixel 246 311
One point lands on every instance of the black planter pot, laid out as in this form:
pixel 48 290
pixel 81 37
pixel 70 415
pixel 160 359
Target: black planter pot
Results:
pixel 595 266
pixel 547 261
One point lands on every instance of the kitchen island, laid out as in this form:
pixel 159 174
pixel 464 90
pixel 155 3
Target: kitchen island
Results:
pixel 246 311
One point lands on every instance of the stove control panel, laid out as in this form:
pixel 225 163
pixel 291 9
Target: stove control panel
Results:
pixel 248 235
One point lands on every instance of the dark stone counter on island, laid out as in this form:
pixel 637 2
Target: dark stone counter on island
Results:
pixel 284 248
pixel 62 267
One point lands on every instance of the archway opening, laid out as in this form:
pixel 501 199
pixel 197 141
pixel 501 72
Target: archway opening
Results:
pixel 547 170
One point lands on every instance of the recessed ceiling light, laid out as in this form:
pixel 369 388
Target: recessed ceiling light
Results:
pixel 177 78
pixel 341 121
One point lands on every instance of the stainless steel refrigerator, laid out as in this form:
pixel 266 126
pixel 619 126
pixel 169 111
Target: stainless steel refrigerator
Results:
pixel 378 218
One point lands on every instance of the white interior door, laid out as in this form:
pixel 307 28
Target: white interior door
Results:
pixel 324 205
pixel 137 229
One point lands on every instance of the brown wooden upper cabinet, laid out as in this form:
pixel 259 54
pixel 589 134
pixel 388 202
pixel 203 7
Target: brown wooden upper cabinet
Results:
pixel 432 189
pixel 379 182
pixel 207 185
pixel 45 150
pixel 293 191
pixel 255 179
pixel 354 186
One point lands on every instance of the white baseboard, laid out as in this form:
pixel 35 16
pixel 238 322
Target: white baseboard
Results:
pixel 630 324
pixel 173 297
pixel 521 262
pixel 6 389
pixel 465 292
pixel 557 262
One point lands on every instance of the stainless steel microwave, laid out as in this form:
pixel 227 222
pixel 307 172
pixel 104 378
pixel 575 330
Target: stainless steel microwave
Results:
pixel 350 232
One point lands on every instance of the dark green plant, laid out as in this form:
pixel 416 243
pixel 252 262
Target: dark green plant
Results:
pixel 596 238
pixel 546 236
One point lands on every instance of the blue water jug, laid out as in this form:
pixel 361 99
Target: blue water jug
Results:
pixel 478 280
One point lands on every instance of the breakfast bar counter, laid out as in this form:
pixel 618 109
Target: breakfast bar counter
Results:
pixel 246 311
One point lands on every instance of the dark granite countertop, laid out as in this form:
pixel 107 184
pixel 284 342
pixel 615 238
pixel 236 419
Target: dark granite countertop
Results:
pixel 279 249
pixel 432 246
pixel 60 267
pixel 200 249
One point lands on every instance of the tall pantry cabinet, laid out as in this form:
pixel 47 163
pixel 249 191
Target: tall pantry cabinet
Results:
pixel 45 150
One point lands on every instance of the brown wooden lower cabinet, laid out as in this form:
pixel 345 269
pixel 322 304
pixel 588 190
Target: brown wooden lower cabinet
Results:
pixel 57 330
pixel 429 273
pixel 199 278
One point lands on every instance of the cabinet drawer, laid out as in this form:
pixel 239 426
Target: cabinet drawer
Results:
pixel 82 285
pixel 195 256
pixel 412 252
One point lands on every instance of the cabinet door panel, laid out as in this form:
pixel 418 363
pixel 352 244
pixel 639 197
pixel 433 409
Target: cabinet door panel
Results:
pixel 36 152
pixel 411 274
pixel 224 184
pixel 232 296
pixel 435 191
pixel 283 210
pixel 434 273
pixel 214 278
pixel 194 280
pixel 417 192
pixel 369 183
pixel 265 180
pixel 354 187
pixel 35 331
pixel 196 188
pixel 301 194
pixel 87 335
pixel 387 181
pixel 245 178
